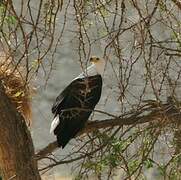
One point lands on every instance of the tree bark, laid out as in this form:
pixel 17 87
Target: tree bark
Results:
pixel 16 146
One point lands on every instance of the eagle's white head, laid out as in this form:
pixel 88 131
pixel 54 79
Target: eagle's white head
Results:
pixel 99 64
pixel 97 67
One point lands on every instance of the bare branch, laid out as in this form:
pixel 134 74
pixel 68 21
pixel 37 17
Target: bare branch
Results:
pixel 163 113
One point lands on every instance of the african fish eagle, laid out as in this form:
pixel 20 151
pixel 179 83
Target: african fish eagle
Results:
pixel 75 104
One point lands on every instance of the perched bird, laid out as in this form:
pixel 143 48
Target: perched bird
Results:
pixel 74 105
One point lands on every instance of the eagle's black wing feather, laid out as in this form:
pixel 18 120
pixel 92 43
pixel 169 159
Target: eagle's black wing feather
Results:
pixel 58 104
pixel 74 106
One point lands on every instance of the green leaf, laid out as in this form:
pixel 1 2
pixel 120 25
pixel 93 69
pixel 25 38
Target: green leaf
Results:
pixel 11 19
pixel 148 163
pixel 19 93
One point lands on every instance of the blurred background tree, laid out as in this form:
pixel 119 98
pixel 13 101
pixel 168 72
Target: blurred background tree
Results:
pixel 135 129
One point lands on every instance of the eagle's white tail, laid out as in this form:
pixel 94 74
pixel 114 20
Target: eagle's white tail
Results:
pixel 54 123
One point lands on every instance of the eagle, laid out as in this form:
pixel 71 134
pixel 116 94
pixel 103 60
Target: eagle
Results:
pixel 76 102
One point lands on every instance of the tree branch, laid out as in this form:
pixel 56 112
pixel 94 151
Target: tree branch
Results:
pixel 177 3
pixel 16 149
pixel 167 112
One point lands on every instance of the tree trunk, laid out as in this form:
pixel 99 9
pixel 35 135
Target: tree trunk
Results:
pixel 16 146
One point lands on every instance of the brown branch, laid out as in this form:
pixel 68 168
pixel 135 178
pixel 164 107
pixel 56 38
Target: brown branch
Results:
pixel 177 3
pixel 165 112
pixel 16 149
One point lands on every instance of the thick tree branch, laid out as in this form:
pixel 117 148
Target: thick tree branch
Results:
pixel 167 113
pixel 16 147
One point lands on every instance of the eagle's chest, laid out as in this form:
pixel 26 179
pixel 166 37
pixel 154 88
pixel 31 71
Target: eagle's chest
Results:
pixel 86 92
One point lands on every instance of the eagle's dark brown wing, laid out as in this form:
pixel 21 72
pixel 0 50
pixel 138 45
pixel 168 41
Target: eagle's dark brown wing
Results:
pixel 74 106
